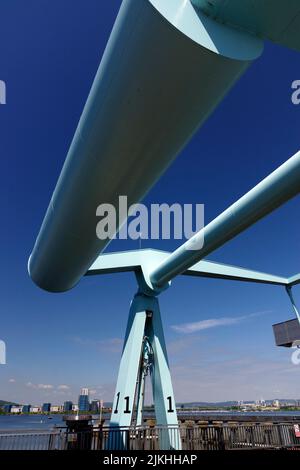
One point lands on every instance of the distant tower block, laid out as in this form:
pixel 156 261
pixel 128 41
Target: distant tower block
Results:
pixel 83 400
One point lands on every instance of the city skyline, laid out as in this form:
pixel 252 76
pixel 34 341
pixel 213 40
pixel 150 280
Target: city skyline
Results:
pixel 80 405
pixel 47 407
pixel 218 333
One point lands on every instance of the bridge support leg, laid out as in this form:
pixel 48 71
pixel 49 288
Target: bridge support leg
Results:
pixel 144 328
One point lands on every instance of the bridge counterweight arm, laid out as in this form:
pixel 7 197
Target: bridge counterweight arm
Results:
pixel 144 260
pixel 272 192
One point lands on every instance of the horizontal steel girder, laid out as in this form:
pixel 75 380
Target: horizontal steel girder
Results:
pixel 144 261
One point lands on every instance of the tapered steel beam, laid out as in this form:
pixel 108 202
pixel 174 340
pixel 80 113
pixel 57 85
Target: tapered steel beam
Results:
pixel 276 189
pixel 145 260
pixel 294 280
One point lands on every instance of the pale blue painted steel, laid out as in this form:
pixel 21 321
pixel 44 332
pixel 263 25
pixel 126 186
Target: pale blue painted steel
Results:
pixel 276 20
pixel 123 404
pixel 141 322
pixel 163 395
pixel 164 70
pixel 195 25
pixel 205 268
pixel 290 294
pixel 294 280
pixel 145 261
pixel 141 398
pixel 276 189
pixel 145 370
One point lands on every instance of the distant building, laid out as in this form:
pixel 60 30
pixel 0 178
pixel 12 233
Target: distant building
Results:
pixel 247 406
pixel 75 407
pixel 7 408
pixel 26 408
pixel 68 406
pixel 35 409
pixel 56 409
pixel 95 406
pixel 46 408
pixel 83 403
pixel 16 409
pixel 261 403
pixel 276 404
pixel 290 403
pixel 83 400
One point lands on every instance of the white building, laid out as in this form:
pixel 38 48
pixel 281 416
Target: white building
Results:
pixel 56 409
pixel 84 391
pixel 74 407
pixel 35 409
pixel 261 403
pixel 16 409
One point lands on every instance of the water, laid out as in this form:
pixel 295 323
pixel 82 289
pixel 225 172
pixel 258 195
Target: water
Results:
pixel 42 423
pixel 34 422
pixel 28 422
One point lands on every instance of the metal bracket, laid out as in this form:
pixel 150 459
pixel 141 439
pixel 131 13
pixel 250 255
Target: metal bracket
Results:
pixel 290 294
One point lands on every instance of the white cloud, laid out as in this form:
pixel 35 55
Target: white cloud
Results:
pixel 63 387
pixel 39 386
pixel 12 381
pixel 213 323
pixel 45 386
pixel 203 325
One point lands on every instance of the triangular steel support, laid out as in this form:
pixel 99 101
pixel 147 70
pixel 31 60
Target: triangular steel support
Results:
pixel 144 330
pixel 145 325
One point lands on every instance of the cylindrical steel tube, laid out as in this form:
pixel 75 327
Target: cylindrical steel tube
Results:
pixel 270 193
pixel 164 70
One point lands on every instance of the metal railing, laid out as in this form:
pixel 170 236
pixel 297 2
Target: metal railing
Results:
pixel 201 437
pixel 33 441
pixel 239 437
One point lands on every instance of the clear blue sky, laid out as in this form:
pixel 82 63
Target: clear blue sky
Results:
pixel 56 343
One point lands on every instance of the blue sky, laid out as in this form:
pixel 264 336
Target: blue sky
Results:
pixel 56 343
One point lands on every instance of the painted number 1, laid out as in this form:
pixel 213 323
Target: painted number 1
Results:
pixel 117 404
pixel 170 410
pixel 127 409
